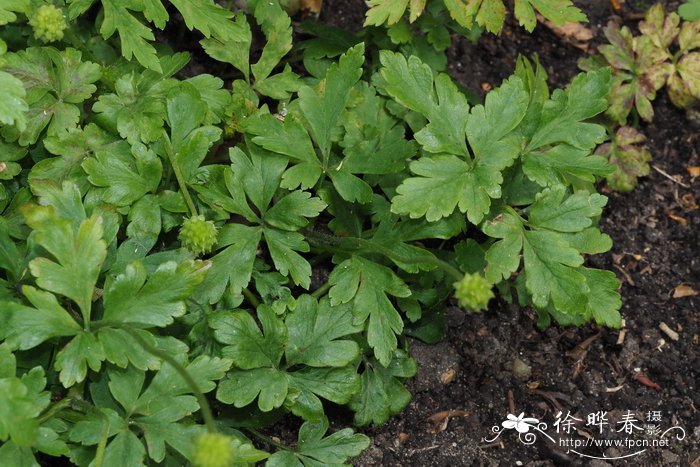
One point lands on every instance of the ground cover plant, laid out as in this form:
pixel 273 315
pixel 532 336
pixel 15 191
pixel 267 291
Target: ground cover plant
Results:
pixel 665 55
pixel 186 259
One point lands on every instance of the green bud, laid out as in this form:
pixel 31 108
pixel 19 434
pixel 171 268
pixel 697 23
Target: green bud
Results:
pixel 198 235
pixel 212 450
pixel 48 23
pixel 473 292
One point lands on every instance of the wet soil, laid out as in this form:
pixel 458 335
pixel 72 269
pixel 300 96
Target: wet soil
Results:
pixel 500 363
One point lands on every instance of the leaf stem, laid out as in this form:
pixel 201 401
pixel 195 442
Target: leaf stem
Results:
pixel 267 439
pixel 250 296
pixel 321 291
pixel 54 409
pixel 178 175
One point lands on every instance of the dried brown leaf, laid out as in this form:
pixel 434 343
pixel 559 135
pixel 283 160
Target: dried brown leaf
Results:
pixel 684 290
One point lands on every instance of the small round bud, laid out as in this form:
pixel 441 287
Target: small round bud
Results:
pixel 198 235
pixel 473 291
pixel 212 450
pixel 48 23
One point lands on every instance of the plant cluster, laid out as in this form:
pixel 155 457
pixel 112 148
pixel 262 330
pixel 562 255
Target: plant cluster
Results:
pixel 666 54
pixel 185 261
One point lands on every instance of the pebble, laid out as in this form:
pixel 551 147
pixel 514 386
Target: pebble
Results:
pixel 521 370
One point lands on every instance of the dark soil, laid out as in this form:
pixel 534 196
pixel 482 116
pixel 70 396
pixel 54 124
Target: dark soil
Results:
pixel 656 233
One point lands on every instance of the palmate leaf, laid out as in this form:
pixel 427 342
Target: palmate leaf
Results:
pixel 127 173
pixel 367 285
pixel 317 362
pixel 68 274
pixel 559 231
pixel 190 137
pixel 323 105
pixel 382 395
pixel 629 157
pixel 560 163
pixel 206 16
pixel 447 182
pixel 315 449
pixel 133 299
pixel 57 82
pixel 152 415
pixel 134 36
pixel 209 18
pixel 251 182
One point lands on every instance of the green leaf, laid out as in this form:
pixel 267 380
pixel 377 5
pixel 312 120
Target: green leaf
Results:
pixel 293 210
pixel 236 53
pixel 12 101
pixel 550 268
pixel 11 260
pixel 573 214
pixel 69 274
pixel 385 11
pixel 255 177
pixel 139 114
pixel 210 19
pixel 604 300
pixel 9 8
pixel 246 345
pixel 563 120
pixel 133 35
pixel 72 148
pixel 564 165
pixel 444 183
pixel 382 395
pixel 277 27
pixel 367 285
pixel 449 182
pixel 314 448
pixel 558 12
pixel 21 402
pixel 121 348
pixel 690 10
pixel 132 299
pixel 189 137
pixel 73 360
pixel 503 257
pixel 26 327
pixel 127 174
pixel 410 82
pixel 323 105
pixel 314 330
pixel 286 137
pixel 125 448
pixel 241 388
pixel 232 266
pixel 56 82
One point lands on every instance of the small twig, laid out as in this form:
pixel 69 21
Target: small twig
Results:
pixel 670 177
pixel 511 401
pixel 428 448
pixel 628 278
